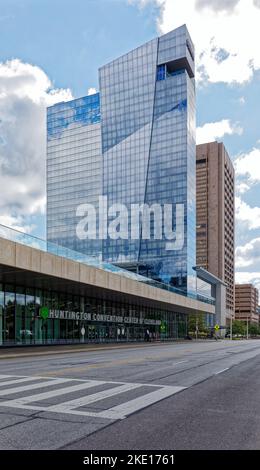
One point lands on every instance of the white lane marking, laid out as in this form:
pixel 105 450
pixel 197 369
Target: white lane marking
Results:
pixel 18 381
pixel 117 412
pixel 83 401
pixel 7 376
pixel 220 371
pixel 72 379
pixel 46 410
pixel 176 363
pixel 125 409
pixel 33 386
pixel 56 393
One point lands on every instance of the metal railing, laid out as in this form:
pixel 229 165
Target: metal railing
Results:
pixel 58 250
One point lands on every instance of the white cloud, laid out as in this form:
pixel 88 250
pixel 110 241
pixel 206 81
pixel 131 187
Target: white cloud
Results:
pixel 16 223
pixel 225 32
pixel 216 130
pixel 141 3
pixel 217 5
pixel 92 91
pixel 249 254
pixel 246 214
pixel 242 188
pixel 248 165
pixel 246 277
pixel 25 92
pixel 242 100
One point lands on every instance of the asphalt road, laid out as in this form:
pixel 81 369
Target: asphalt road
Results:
pixel 203 395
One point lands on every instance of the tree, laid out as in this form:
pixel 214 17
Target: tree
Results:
pixel 238 328
pixel 197 320
pixel 253 330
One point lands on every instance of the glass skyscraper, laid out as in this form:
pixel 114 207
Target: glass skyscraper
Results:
pixel 143 152
pixel 74 168
pixel 148 145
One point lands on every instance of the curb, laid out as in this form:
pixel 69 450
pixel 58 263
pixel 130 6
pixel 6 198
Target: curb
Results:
pixel 86 349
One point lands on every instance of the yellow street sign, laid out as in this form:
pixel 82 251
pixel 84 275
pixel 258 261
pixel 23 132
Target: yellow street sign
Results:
pixel 216 327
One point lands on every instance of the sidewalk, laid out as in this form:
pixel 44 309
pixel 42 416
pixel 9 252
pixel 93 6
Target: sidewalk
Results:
pixel 32 351
pixel 24 351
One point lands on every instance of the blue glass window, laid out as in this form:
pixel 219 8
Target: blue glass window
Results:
pixel 161 72
pixel 176 72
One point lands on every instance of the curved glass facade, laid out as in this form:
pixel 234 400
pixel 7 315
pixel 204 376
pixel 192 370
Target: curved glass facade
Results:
pixel 31 316
pixel 39 308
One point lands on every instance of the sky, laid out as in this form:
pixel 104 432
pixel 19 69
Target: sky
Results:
pixel 51 51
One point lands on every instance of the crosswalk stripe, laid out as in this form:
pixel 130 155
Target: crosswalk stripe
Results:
pixel 56 393
pixel 87 400
pixel 70 407
pixel 47 409
pixel 129 407
pixel 6 376
pixel 33 386
pixel 18 381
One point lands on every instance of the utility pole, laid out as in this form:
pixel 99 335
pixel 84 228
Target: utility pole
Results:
pixel 246 327
pixel 231 326
pixel 197 327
